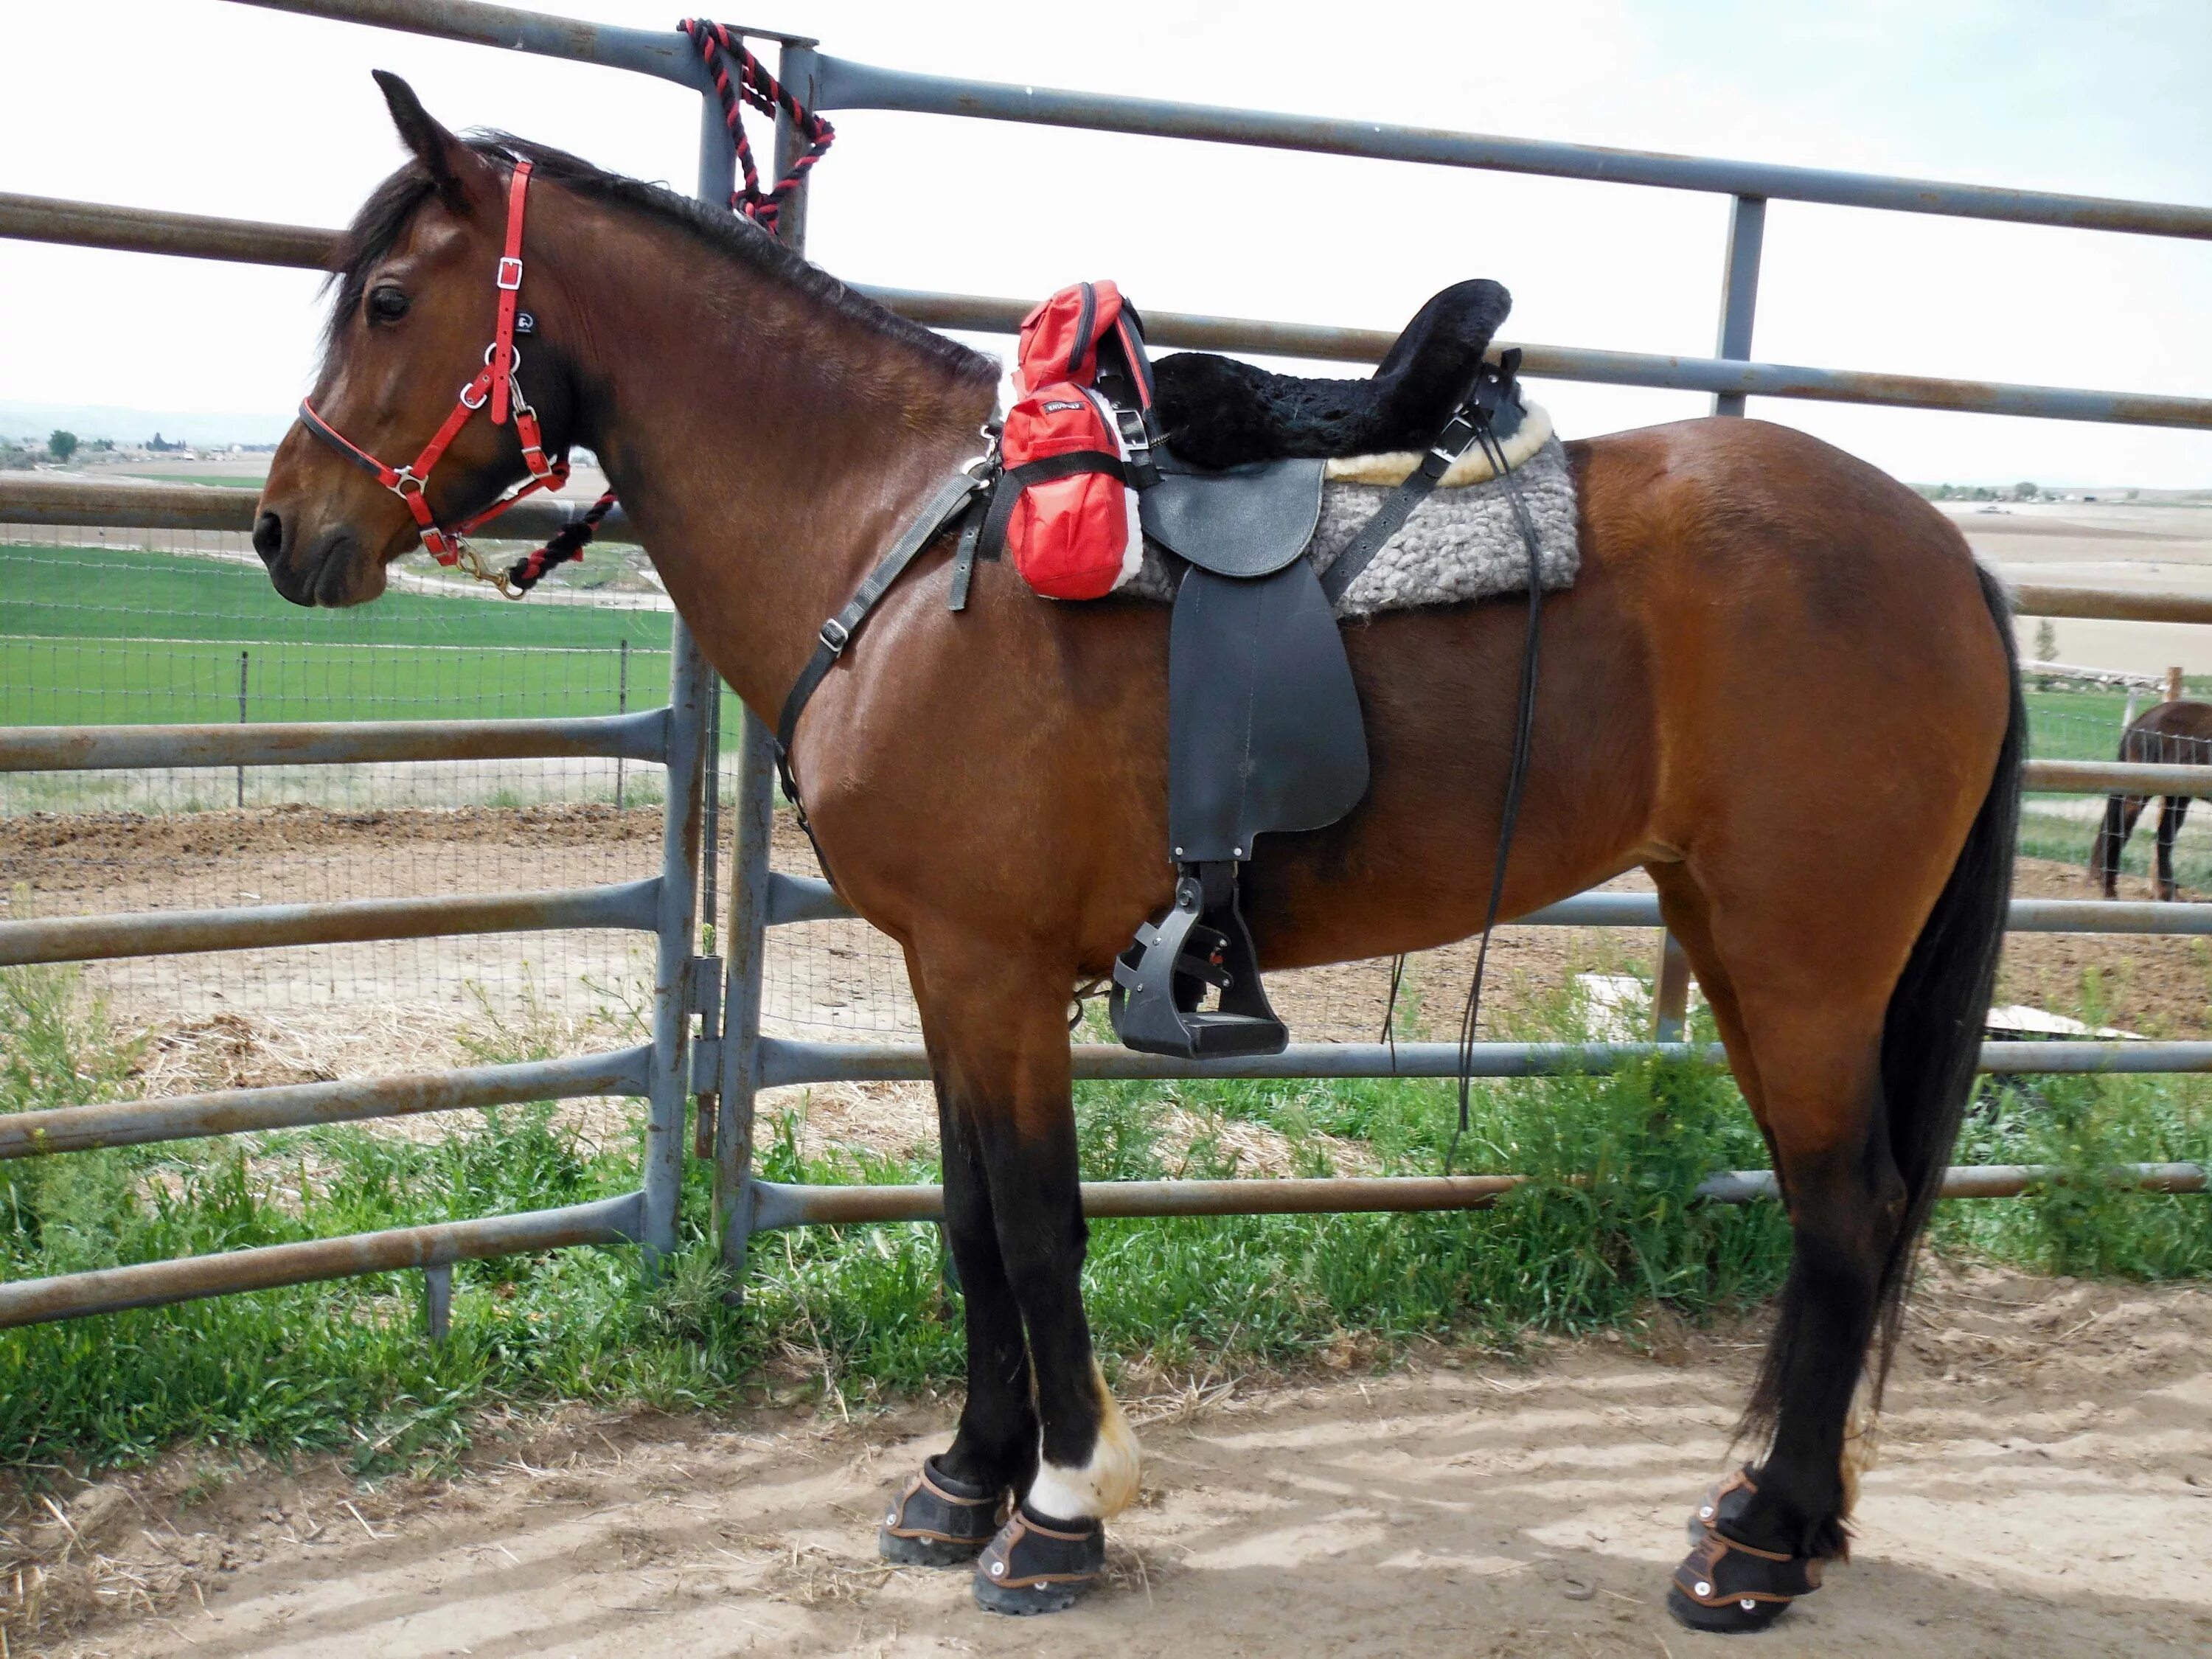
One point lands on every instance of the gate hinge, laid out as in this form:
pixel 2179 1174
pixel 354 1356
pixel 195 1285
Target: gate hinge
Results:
pixel 707 1066
pixel 703 989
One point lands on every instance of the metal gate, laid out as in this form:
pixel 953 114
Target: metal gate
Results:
pixel 729 1059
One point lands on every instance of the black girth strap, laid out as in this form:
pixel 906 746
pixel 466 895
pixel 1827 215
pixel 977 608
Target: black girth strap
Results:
pixel 1492 386
pixel 837 633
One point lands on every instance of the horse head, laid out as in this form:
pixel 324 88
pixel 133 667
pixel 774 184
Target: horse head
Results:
pixel 428 273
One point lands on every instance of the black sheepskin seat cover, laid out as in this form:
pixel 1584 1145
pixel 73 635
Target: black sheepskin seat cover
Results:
pixel 1217 411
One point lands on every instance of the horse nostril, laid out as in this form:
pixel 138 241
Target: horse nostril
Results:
pixel 269 536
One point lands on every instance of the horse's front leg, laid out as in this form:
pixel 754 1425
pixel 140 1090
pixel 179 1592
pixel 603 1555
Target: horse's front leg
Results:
pixel 953 1507
pixel 997 1037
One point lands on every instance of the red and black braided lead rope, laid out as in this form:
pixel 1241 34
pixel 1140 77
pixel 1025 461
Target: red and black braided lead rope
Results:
pixel 718 48
pixel 754 86
pixel 568 543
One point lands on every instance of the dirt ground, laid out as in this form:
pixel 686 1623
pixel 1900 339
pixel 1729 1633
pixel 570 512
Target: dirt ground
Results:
pixel 2043 1486
pixel 825 979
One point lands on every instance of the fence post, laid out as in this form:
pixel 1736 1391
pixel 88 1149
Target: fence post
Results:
pixel 1739 290
pixel 621 707
pixel 745 943
pixel 242 657
pixel 2174 688
pixel 438 1301
pixel 690 684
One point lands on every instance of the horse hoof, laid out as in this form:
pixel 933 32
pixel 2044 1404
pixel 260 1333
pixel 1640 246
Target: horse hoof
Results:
pixel 1725 1586
pixel 938 1522
pixel 1039 1564
pixel 907 1552
pixel 1028 1600
pixel 1738 1618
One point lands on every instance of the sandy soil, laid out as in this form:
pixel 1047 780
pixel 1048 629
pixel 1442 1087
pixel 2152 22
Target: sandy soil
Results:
pixel 2044 1487
pixel 831 979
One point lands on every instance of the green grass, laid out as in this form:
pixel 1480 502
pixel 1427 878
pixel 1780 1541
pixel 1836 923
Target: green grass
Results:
pixel 114 636
pixel 220 480
pixel 1606 1232
pixel 119 594
pixel 344 1366
pixel 2077 724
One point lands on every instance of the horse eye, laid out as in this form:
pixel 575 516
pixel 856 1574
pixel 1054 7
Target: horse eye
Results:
pixel 387 305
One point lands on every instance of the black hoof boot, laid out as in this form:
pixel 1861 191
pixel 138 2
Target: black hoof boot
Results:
pixel 940 1522
pixel 1038 1564
pixel 1738 1618
pixel 1729 1588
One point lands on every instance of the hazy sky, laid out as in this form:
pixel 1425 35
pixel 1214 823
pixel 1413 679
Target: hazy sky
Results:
pixel 220 108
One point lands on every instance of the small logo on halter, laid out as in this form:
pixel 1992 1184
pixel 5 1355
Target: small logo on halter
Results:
pixel 525 323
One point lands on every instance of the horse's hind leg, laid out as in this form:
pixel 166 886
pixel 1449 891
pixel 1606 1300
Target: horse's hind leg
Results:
pixel 2171 811
pixel 1802 1017
pixel 2121 812
pixel 1044 1424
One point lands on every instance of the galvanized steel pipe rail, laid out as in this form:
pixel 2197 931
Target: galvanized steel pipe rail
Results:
pixel 306 1105
pixel 778 1203
pixel 674 737
pixel 348 921
pixel 92 224
pixel 150 1283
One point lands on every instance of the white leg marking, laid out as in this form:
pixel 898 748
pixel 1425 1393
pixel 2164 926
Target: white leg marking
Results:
pixel 1101 1488
pixel 1861 1445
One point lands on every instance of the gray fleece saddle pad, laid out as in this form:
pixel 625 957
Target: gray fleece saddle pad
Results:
pixel 1462 543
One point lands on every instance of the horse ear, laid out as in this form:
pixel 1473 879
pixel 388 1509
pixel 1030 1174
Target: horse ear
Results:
pixel 451 165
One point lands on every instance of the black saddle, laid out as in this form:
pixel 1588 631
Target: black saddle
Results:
pixel 1264 729
pixel 1217 412
pixel 1265 734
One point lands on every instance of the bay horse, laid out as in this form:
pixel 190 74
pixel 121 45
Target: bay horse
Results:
pixel 990 788
pixel 2176 734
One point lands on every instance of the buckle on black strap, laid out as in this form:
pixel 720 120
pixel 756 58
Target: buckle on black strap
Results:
pixel 835 637
pixel 1451 443
pixel 1137 438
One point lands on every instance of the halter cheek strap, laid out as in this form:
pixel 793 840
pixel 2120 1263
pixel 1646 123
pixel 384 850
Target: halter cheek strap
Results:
pixel 496 384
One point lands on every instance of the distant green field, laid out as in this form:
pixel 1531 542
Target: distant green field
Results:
pixel 2078 724
pixel 110 636
pixel 221 481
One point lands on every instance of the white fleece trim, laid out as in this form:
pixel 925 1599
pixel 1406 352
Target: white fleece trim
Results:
pixel 1133 549
pixel 1472 468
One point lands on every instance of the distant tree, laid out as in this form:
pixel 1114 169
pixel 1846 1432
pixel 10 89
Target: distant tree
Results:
pixel 2024 492
pixel 62 445
pixel 2046 641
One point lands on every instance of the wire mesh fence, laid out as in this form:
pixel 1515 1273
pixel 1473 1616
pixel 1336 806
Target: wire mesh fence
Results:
pixel 2092 726
pixel 132 626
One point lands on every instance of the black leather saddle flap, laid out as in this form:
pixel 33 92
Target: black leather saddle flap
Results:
pixel 1264 731
pixel 1249 520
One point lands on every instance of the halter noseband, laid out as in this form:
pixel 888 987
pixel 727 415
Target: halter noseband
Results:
pixel 497 384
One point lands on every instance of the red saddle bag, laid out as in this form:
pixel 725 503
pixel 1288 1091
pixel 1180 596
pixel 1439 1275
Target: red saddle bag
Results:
pixel 1073 455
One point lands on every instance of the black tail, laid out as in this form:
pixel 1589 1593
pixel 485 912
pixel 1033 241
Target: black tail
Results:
pixel 1931 1038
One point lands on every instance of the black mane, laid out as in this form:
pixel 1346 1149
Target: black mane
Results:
pixel 394 202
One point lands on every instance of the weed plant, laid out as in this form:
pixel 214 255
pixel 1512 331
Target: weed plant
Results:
pixel 1605 1230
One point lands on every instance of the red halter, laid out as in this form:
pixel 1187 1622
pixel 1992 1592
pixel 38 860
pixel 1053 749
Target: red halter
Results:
pixel 497 383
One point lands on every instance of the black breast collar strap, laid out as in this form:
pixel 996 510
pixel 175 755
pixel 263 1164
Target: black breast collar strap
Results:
pixel 838 632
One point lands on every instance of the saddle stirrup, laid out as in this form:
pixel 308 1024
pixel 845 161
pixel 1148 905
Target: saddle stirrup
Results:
pixel 1161 981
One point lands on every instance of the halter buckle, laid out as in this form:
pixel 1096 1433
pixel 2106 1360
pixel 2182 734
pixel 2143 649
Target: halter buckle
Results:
pixel 510 272
pixel 483 396
pixel 836 636
pixel 403 478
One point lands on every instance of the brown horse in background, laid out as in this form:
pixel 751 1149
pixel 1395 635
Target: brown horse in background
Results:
pixel 990 786
pixel 2175 734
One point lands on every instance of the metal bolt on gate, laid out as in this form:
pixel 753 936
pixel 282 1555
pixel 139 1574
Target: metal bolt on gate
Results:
pixel 733 1059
